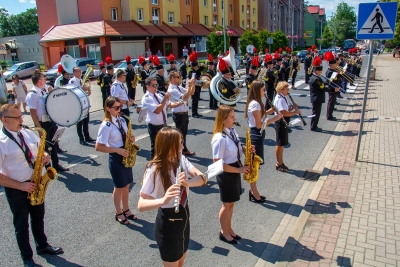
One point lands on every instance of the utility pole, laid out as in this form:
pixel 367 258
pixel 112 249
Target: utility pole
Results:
pixel 223 24
pixel 292 17
pixel 320 43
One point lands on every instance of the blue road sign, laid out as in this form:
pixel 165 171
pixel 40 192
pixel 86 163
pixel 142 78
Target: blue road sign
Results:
pixel 376 20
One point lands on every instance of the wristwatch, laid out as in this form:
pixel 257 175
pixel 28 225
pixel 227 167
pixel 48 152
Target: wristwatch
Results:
pixel 204 179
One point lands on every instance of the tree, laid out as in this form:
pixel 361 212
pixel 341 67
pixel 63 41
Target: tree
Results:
pixel 20 24
pixel 344 22
pixel 5 29
pixel 248 38
pixel 327 37
pixel 280 40
pixel 262 40
pixel 215 41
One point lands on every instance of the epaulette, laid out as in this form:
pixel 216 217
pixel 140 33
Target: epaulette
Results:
pixel 108 124
pixel 146 96
pixel 72 81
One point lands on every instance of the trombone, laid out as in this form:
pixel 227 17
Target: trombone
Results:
pixel 348 76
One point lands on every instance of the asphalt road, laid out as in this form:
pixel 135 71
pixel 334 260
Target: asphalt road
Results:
pixel 80 212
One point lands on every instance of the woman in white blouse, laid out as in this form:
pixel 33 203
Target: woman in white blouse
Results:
pixel 111 139
pixel 255 112
pixel 159 190
pixel 20 90
pixel 227 146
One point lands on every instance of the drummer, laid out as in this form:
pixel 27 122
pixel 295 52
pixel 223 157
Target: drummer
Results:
pixel 82 127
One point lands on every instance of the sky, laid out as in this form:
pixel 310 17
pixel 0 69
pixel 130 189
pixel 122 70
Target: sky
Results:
pixel 17 6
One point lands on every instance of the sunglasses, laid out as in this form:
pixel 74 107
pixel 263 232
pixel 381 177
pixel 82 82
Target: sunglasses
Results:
pixel 116 107
pixel 154 85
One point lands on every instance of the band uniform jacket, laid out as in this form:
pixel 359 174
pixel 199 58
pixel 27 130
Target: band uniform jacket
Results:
pixel 295 64
pixel 269 78
pixel 130 76
pixel 226 87
pixel 307 63
pixel 249 79
pixel 183 71
pixel 287 66
pixel 198 74
pixel 107 81
pixel 281 72
pixel 211 72
pixel 100 79
pixel 318 89
pixel 144 74
pixel 337 80
pixel 64 81
pixel 161 82
pixel 171 69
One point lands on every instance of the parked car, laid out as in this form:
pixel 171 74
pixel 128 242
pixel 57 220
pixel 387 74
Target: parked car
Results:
pixel 23 69
pixel 375 50
pixel 301 55
pixel 51 74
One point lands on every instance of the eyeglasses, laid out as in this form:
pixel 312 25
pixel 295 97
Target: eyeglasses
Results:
pixel 116 107
pixel 176 77
pixel 16 117
pixel 155 85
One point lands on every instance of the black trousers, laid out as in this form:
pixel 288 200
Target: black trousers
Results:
pixel 50 128
pixel 82 128
pixel 153 131
pixel 270 94
pixel 195 100
pixel 105 92
pixel 316 110
pixel 21 209
pixel 294 77
pixel 307 76
pixel 330 105
pixel 131 91
pixel 143 87
pixel 182 123
pixel 213 102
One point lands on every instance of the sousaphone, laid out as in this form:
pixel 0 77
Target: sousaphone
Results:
pixel 205 80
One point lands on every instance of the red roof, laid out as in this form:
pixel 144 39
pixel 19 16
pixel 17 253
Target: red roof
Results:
pixel 238 30
pixel 197 29
pixel 322 11
pixel 124 28
pixel 313 9
pixel 74 31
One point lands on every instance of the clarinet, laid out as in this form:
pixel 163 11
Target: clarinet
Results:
pixel 283 119
pixel 178 171
pixel 301 116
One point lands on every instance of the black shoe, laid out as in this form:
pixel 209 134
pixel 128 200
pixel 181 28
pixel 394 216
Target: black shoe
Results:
pixel 60 151
pixel 83 142
pixel 49 250
pixel 252 198
pixel 196 115
pixel 332 119
pixel 236 237
pixel 60 168
pixel 339 96
pixel 222 238
pixel 30 263
pixel 317 129
pixel 201 99
pixel 90 139
pixel 337 103
pixel 334 108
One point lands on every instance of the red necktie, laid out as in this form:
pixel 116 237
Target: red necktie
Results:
pixel 163 114
pixel 183 197
pixel 24 147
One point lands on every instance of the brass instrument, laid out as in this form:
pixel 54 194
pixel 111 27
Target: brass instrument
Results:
pixel 311 68
pixel 38 195
pixel 136 79
pixel 85 79
pixel 132 148
pixel 348 76
pixel 205 80
pixel 250 159
pixel 298 65
pixel 291 69
pixel 260 74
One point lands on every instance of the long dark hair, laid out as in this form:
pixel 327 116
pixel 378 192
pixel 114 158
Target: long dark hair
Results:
pixel 110 101
pixel 255 94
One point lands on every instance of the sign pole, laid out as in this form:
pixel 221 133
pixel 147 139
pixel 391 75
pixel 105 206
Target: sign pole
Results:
pixel 371 55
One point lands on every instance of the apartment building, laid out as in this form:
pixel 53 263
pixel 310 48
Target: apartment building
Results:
pixel 314 23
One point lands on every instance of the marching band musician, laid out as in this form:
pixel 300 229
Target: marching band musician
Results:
pixel 119 91
pixel 195 71
pixel 285 62
pixel 227 86
pixel 280 67
pixel 213 104
pixel 252 73
pixel 255 113
pixel 18 152
pixel 295 66
pixel 172 63
pixel 156 109
pixel 162 85
pixel 130 77
pixel 65 76
pixel 183 71
pixel 111 139
pixel 227 146
pixel 314 48
pixel 108 78
pixel 270 79
pixel 144 73
pixel 282 134
pixel 328 56
pixel 100 81
pixel 160 190
pixel 307 64
pixel 180 114
pixel 151 67
pixel 317 93
pixel 342 65
pixel 36 99
pixel 82 127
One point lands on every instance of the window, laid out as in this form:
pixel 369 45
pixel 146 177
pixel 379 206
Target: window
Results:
pixel 201 46
pixel 204 2
pixel 230 8
pixel 114 14
pixel 140 14
pixel 230 23
pixel 93 51
pixel 206 20
pixel 242 8
pixel 254 11
pixel 243 24
pixel 222 22
pixel 154 13
pixel 254 25
pixel 73 51
pixel 28 50
pixel 271 17
pixel 170 17
pixel 187 3
pixel 215 6
pixel 215 20
pixel 187 19
pixel 154 2
pixel 222 4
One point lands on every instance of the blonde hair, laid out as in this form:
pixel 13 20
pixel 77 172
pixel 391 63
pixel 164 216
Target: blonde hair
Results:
pixel 222 113
pixel 281 86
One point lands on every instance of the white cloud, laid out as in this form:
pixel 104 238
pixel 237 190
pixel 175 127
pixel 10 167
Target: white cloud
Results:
pixel 331 6
pixel 22 1
pixel 32 1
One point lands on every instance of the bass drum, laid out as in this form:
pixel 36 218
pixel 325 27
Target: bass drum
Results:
pixel 67 105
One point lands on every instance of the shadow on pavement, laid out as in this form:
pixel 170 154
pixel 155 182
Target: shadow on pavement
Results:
pixel 78 184
pixel 56 260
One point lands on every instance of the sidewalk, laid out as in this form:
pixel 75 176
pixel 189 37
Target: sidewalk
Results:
pixel 352 217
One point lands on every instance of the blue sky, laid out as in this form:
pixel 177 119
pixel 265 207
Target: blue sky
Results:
pixel 17 6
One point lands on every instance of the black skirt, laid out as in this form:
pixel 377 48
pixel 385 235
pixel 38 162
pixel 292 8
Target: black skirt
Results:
pixel 257 140
pixel 282 134
pixel 172 233
pixel 230 186
pixel 121 175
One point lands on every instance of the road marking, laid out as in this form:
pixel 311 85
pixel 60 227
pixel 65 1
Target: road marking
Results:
pixel 206 111
pixel 88 157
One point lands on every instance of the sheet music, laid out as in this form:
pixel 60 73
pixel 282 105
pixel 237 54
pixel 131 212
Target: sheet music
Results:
pixel 58 134
pixel 215 168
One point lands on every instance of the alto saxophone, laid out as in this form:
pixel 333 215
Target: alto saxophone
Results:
pixel 250 159
pixel 132 148
pixel 291 69
pixel 38 195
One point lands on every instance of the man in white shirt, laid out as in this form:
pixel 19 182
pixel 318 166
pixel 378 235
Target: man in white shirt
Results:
pixel 18 152
pixel 185 52
pixel 82 127
pixel 36 103
pixel 156 105
pixel 180 114
pixel 119 91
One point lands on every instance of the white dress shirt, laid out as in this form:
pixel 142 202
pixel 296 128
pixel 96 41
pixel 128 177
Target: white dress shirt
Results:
pixel 36 99
pixel 118 90
pixel 253 105
pixel 178 92
pixel 155 189
pixel 150 102
pixel 76 82
pixel 223 147
pixel 281 103
pixel 13 163
pixel 109 133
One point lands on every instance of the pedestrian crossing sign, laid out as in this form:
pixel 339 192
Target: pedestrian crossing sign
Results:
pixel 376 21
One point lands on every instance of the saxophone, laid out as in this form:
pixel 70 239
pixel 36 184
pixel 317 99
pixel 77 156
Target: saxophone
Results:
pixel 250 159
pixel 291 69
pixel 37 196
pixel 132 148
pixel 136 79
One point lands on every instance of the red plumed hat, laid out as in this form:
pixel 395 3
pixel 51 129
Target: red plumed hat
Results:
pixel 223 66
pixel 101 65
pixel 254 63
pixel 254 50
pixel 60 68
pixel 313 47
pixel 328 56
pixel 128 59
pixel 108 60
pixel 151 58
pixel 280 49
pixel 287 48
pixel 142 60
pixel 317 61
pixel 210 59
pixel 157 63
pixel 268 58
pixel 266 50
pixel 308 50
pixel 171 58
pixel 192 57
